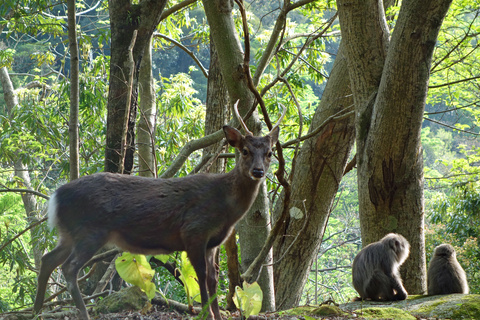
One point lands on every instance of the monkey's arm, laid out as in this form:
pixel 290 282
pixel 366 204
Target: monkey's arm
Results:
pixel 396 283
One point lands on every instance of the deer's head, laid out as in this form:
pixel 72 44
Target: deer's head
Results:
pixel 255 152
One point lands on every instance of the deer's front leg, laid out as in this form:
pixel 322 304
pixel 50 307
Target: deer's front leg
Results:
pixel 197 256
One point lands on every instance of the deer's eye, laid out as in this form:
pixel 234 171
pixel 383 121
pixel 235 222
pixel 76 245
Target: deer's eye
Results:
pixel 245 152
pixel 269 154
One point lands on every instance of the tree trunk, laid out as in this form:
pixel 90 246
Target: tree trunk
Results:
pixel 21 170
pixel 230 54
pixel 148 112
pixel 253 230
pixel 74 92
pixel 217 113
pixel 318 172
pixel 389 155
pixel 125 18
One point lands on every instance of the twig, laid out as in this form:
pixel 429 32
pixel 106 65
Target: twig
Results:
pixel 107 276
pixel 64 289
pixel 69 301
pixel 452 82
pixel 22 232
pixel 451 127
pixel 337 116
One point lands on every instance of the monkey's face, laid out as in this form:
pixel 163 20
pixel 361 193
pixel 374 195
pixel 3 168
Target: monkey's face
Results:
pixel 399 245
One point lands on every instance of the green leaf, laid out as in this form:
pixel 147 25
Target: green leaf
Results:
pixel 162 257
pixel 248 300
pixel 135 269
pixel 189 278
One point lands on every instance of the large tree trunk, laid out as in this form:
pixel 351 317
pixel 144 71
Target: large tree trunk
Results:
pixel 390 167
pixel 125 18
pixel 230 54
pixel 318 172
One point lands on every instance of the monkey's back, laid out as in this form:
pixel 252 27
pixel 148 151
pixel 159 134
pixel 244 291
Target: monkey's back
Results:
pixel 375 269
pixel 368 272
pixel 445 276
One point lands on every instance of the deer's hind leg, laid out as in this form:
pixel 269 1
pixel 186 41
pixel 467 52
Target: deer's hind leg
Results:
pixel 83 250
pixel 212 280
pixel 50 261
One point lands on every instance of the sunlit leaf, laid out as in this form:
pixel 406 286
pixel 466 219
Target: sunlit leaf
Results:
pixel 135 269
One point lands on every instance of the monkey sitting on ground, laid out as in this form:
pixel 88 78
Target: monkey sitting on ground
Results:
pixel 375 269
pixel 445 275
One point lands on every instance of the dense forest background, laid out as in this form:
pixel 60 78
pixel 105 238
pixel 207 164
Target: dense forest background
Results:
pixel 34 143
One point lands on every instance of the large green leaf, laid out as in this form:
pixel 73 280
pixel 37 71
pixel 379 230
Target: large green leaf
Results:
pixel 135 269
pixel 249 299
pixel 189 278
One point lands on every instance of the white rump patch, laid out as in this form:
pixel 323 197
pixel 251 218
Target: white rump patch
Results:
pixel 52 211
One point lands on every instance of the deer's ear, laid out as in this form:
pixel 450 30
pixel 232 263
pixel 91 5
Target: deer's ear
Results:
pixel 274 135
pixel 234 137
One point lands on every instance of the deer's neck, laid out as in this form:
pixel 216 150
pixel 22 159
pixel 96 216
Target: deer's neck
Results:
pixel 245 189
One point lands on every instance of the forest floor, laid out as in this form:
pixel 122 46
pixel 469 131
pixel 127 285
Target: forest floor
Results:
pixel 157 313
pixel 160 313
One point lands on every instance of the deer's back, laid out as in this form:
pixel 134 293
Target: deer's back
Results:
pixel 148 215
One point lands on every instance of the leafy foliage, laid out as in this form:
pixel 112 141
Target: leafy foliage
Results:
pixel 34 48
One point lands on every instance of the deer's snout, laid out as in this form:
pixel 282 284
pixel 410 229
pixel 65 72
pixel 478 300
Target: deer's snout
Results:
pixel 258 173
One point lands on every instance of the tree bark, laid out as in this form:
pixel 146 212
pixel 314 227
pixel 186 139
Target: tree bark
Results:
pixel 21 170
pixel 126 17
pixel 318 172
pixel 74 92
pixel 217 113
pixel 146 123
pixel 231 56
pixel 389 154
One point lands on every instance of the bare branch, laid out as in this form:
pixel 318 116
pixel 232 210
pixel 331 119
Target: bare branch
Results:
pixel 176 8
pixel 453 82
pixel 337 116
pixel 330 269
pixel 181 46
pixel 25 191
pixel 451 127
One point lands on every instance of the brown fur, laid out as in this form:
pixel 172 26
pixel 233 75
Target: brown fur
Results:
pixel 151 216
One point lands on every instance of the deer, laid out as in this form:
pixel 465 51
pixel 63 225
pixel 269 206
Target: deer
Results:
pixel 150 216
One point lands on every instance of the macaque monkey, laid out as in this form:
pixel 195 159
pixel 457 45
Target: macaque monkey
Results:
pixel 375 269
pixel 445 275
